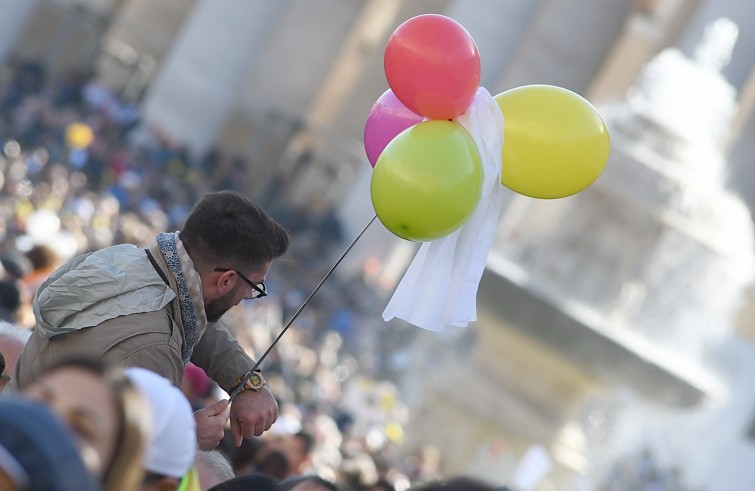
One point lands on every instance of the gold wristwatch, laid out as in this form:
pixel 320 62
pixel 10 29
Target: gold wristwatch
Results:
pixel 255 382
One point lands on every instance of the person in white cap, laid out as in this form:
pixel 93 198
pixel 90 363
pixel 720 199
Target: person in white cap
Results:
pixel 172 443
pixel 164 306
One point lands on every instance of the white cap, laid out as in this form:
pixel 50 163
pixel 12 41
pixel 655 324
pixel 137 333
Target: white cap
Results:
pixel 173 442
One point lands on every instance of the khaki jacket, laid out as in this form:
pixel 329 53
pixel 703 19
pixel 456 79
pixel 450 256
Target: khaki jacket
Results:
pixel 113 304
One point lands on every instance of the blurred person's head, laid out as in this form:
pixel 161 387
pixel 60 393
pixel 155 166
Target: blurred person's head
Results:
pixel 37 451
pixel 459 483
pixel 271 461
pixel 10 299
pixel 358 470
pixel 15 264
pixel 380 485
pixel 213 468
pixel 251 482
pixel 232 243
pixel 242 457
pixel 297 448
pixel 44 260
pixel 12 342
pixel 308 483
pixel 172 441
pixel 42 257
pixel 105 413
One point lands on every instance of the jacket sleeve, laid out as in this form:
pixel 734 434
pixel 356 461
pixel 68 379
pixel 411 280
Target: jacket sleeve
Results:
pixel 152 356
pixel 221 356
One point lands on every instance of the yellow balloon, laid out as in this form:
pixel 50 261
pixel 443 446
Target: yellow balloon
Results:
pixel 555 143
pixel 427 181
pixel 79 135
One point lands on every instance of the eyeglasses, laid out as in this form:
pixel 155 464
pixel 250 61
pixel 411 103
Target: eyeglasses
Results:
pixel 259 291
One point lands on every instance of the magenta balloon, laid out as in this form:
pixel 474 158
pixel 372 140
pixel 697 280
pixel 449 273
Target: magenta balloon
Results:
pixel 388 117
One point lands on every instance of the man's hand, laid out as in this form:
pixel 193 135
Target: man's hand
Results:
pixel 252 413
pixel 211 424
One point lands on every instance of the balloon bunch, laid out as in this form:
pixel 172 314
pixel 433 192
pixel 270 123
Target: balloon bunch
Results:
pixel 428 174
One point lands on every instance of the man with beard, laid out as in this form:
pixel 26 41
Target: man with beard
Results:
pixel 161 307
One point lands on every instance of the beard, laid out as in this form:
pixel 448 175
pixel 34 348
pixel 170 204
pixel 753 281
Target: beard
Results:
pixel 214 309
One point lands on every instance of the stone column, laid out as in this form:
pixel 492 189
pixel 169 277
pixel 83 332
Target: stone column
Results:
pixel 199 83
pixel 497 28
pixel 13 20
pixel 566 42
pixel 137 40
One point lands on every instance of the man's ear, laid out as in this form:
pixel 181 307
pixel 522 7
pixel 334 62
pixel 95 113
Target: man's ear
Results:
pixel 212 284
pixel 223 283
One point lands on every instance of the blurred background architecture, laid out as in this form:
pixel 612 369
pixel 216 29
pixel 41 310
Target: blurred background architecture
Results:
pixel 613 349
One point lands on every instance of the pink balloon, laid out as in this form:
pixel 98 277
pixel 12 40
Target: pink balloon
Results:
pixel 388 117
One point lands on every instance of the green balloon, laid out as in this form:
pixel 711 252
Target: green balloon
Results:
pixel 427 181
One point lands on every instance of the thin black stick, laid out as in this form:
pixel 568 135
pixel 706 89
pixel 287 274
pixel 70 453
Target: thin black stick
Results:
pixel 296 314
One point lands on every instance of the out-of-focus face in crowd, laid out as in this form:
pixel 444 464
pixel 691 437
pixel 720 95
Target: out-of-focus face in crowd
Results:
pixel 82 399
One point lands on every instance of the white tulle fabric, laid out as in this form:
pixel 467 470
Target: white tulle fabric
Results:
pixel 439 289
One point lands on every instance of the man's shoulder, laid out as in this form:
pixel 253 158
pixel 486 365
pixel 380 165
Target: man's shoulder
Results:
pixel 112 257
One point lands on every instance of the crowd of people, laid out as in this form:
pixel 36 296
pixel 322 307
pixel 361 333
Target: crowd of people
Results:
pixel 80 174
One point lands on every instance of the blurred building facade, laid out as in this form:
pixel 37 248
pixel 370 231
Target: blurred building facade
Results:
pixel 606 319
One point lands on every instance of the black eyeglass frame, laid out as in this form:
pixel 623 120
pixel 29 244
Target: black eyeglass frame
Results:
pixel 262 291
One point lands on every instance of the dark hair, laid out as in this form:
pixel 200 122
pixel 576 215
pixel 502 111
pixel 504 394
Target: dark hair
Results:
pixel 227 229
pixel 42 256
pixel 10 296
pixel 291 482
pixel 272 462
pixel 307 440
pixel 258 482
pixel 241 458
pixel 455 484
pixel 383 484
pixel 16 264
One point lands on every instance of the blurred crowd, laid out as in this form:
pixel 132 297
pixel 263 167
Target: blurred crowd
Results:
pixel 78 171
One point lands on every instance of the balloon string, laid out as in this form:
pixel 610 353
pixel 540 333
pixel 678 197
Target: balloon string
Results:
pixel 296 314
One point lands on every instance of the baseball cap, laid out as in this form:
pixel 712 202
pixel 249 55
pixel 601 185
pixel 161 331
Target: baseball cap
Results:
pixel 36 449
pixel 172 441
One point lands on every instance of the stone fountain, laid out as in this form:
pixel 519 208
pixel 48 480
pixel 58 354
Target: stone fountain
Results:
pixel 605 319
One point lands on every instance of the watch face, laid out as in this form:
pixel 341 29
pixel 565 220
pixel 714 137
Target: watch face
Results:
pixel 255 380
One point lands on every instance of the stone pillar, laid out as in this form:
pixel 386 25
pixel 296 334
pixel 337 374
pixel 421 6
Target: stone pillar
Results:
pixel 137 40
pixel 13 21
pixel 497 28
pixel 566 42
pixel 201 78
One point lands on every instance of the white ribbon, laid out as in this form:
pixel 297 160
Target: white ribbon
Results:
pixel 439 288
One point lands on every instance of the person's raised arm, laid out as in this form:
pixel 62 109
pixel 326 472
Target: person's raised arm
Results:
pixel 255 409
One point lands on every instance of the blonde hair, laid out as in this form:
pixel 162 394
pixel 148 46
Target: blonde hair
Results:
pixel 125 471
